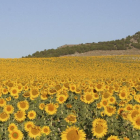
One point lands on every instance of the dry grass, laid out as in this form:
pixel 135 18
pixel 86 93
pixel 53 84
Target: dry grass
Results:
pixel 132 51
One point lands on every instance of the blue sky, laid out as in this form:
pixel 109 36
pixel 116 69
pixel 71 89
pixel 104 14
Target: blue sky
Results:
pixel 27 26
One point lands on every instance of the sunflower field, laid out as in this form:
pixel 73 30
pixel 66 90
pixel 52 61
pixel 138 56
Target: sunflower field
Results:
pixel 70 98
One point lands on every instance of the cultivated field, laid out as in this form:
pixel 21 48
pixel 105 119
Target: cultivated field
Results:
pixel 70 98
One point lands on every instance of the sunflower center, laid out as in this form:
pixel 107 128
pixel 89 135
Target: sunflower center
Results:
pixel 8 108
pixel 12 128
pixel 20 114
pixel 29 125
pixel 99 86
pixel 15 135
pixel 14 91
pixel 138 121
pixel 99 128
pixel 104 102
pixel 96 95
pixel 31 114
pixel 123 94
pixel 35 131
pixel 3 115
pixel 73 88
pixel 34 92
pixel 106 95
pixel 134 113
pixel 22 104
pixel 71 118
pixel 5 90
pixel 88 97
pixel 73 135
pixel 45 130
pixel 1 101
pixel 110 110
pixel 61 98
pixel 51 107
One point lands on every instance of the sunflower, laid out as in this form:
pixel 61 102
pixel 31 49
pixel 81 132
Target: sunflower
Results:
pixel 8 99
pixel 4 91
pixel 99 127
pixel 51 109
pixel 110 110
pixel 34 132
pixel 99 86
pixel 20 87
pixel 106 94
pixel 12 127
pixel 68 105
pixel 136 122
pixel 113 138
pixel 96 96
pixel 34 93
pixel 112 100
pixel 123 94
pixel 129 107
pixel 132 114
pixel 9 109
pixel 104 102
pixel 125 138
pixel 73 133
pixel 20 116
pixel 71 118
pixel 2 102
pixel 136 106
pixel 41 106
pixel 72 87
pixel 28 125
pixel 14 91
pixel 61 99
pixel 45 130
pixel 44 96
pixel 99 105
pixel 23 105
pixel 120 111
pixel 31 114
pixel 16 135
pixel 88 97
pixel 26 94
pixel 4 116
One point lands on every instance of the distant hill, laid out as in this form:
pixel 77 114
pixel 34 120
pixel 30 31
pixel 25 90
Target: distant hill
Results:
pixel 128 43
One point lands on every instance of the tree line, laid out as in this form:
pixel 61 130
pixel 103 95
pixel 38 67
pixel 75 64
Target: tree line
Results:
pixel 122 44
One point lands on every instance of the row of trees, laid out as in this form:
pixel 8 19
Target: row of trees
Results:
pixel 123 44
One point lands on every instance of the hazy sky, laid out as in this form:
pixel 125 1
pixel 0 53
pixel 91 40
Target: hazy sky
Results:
pixel 27 26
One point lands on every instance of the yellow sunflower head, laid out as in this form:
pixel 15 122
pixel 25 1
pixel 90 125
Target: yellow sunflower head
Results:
pixel 2 102
pixel 41 106
pixel 51 108
pixel 14 91
pixel 99 128
pixel 4 116
pixel 73 133
pixel 45 130
pixel 71 118
pixel 9 109
pixel 61 99
pixel 16 135
pixel 20 116
pixel 28 125
pixel 12 127
pixel 88 97
pixel 113 138
pixel 31 114
pixel 23 105
pixel 34 132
